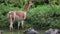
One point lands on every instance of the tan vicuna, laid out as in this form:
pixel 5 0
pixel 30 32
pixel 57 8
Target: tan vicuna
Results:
pixel 19 15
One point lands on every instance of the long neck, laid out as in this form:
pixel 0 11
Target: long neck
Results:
pixel 26 7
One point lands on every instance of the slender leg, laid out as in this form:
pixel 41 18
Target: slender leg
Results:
pixel 11 25
pixel 18 24
pixel 22 24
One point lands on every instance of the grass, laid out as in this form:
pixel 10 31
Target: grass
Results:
pixel 14 32
pixel 20 32
pixel 41 31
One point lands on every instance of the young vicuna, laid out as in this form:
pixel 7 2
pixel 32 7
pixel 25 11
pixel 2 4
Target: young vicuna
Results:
pixel 19 15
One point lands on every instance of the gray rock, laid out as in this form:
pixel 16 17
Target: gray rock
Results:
pixel 52 31
pixel 1 31
pixel 30 31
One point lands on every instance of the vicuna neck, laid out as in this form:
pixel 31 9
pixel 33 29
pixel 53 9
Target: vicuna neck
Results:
pixel 26 6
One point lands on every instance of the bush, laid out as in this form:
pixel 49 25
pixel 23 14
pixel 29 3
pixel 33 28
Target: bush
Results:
pixel 43 17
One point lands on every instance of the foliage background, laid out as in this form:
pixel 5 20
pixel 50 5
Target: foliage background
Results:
pixel 43 14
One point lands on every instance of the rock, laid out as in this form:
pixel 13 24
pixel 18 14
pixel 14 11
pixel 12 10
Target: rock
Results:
pixel 30 31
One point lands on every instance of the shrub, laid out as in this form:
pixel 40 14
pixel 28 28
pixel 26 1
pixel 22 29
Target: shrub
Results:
pixel 43 17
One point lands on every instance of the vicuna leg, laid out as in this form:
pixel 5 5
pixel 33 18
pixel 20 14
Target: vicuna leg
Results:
pixel 11 24
pixel 22 24
pixel 18 24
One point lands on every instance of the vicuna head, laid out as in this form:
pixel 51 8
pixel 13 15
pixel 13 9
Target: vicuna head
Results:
pixel 27 5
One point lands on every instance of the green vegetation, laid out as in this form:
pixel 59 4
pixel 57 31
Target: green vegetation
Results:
pixel 41 15
pixel 16 32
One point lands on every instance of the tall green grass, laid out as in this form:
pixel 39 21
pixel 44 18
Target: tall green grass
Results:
pixel 42 17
